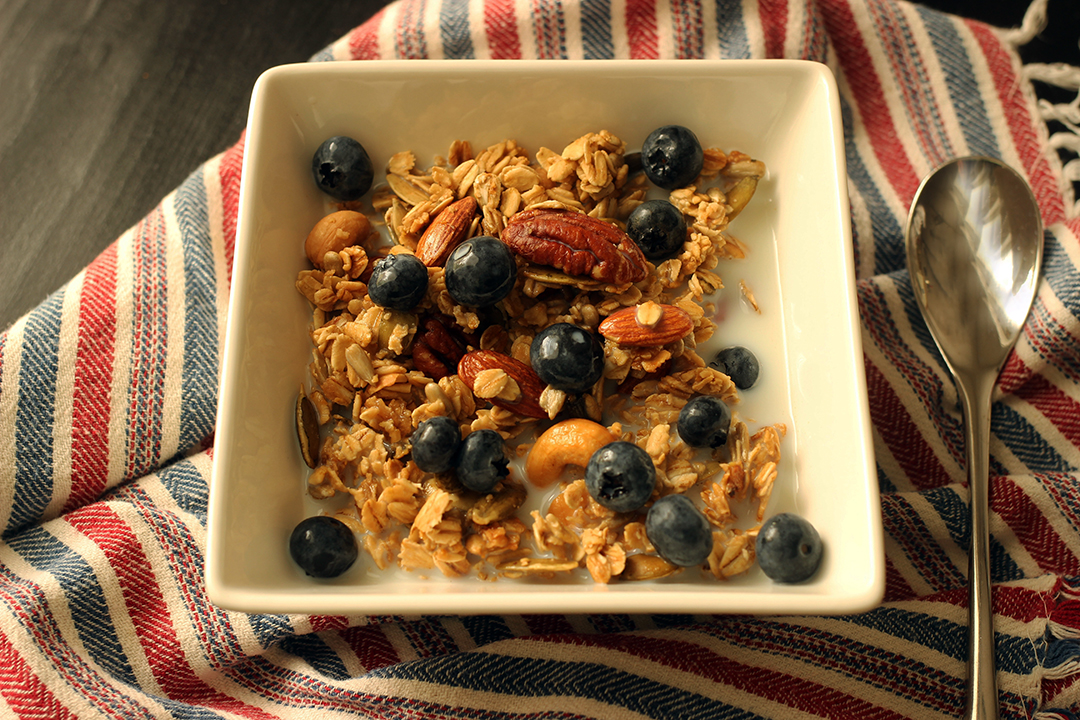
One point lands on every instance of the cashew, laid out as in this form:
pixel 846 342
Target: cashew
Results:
pixel 570 442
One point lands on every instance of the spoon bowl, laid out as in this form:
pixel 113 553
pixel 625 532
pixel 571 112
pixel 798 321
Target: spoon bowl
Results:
pixel 974 251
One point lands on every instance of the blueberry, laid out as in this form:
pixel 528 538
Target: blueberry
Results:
pixel 435 444
pixel 672 157
pixel 658 228
pixel 482 461
pixel 567 357
pixel 398 281
pixel 620 476
pixel 679 531
pixel 704 422
pixel 323 546
pixel 480 272
pixel 342 168
pixel 739 364
pixel 788 548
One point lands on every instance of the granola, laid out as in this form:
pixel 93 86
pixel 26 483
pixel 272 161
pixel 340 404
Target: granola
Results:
pixel 376 374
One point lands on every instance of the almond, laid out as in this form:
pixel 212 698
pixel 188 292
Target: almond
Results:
pixel 639 326
pixel 446 232
pixel 526 401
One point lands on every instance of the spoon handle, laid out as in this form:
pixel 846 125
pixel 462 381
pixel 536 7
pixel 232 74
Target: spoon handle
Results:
pixel 982 695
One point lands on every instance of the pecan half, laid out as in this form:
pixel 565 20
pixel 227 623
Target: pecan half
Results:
pixel 647 325
pixel 575 243
pixel 446 232
pixel 435 350
pixel 529 384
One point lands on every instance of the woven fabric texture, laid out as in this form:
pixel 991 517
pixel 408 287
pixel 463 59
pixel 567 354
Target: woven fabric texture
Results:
pixel 107 409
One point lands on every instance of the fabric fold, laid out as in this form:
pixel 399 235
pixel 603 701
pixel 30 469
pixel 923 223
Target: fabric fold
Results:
pixel 108 391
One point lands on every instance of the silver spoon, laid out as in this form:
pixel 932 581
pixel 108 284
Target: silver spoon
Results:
pixel 974 249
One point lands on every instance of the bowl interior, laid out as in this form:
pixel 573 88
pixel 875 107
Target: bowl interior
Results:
pixel 799 268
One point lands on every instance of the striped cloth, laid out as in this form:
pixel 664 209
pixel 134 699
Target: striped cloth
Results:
pixel 108 390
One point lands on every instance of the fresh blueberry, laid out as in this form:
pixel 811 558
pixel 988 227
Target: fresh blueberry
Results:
pixel 704 421
pixel 739 364
pixel 620 476
pixel 342 168
pixel 435 444
pixel 679 531
pixel 567 357
pixel 398 281
pixel 672 157
pixel 788 548
pixel 658 228
pixel 323 546
pixel 482 462
pixel 480 272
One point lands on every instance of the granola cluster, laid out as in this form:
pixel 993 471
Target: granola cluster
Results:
pixel 376 374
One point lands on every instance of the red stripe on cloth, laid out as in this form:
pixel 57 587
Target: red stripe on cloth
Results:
pixel 500 25
pixel 1012 601
pixel 149 611
pixel 641 31
pixel 93 381
pixel 328 622
pixel 774 26
pixel 364 40
pixel 1055 405
pixel 1032 529
pixel 900 434
pixel 371 646
pixel 858 69
pixel 896 587
pixel 23 691
pixel 762 682
pixel 547 624
pixel 229 174
pixel 1021 121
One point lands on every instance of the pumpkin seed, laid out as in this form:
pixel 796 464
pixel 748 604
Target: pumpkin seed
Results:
pixel 307 430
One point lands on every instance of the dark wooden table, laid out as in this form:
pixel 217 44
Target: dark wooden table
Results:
pixel 108 106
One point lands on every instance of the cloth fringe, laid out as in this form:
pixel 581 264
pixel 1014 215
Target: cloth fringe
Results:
pixel 1060 75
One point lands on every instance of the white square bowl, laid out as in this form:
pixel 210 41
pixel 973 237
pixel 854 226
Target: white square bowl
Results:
pixel 800 268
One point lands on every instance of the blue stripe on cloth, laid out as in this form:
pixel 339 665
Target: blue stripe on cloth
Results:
pixel 888 234
pixel 960 81
pixel 35 413
pixel 688 26
pixel 549 29
pixel 911 80
pixel 921 551
pixel 484 629
pixel 313 650
pixel 428 636
pixel 199 381
pixel 1060 274
pixel 885 485
pixel 85 599
pixel 672 620
pixel 815 44
pixel 1014 654
pixel 410 41
pixel 596 40
pixel 873 665
pixel 187 487
pixel 607 624
pixel 1025 442
pixel 955 513
pixel 1053 342
pixel 150 334
pixel 454 30
pixel 537 678
pixel 731 31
